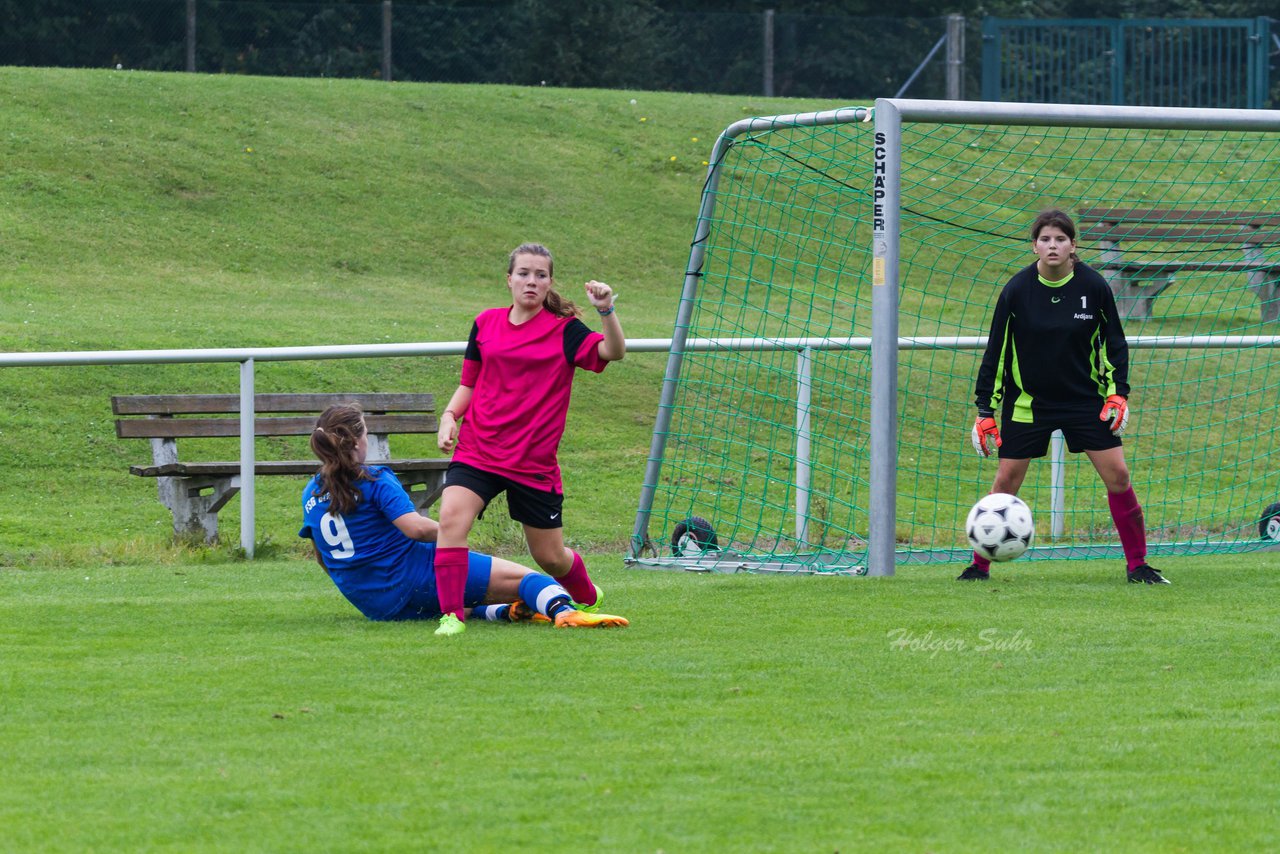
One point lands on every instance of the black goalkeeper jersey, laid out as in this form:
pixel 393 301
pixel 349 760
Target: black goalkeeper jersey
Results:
pixel 1054 349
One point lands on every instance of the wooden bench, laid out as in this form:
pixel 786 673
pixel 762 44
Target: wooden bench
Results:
pixel 1132 241
pixel 195 491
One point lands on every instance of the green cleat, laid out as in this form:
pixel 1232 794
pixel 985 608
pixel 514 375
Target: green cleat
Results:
pixel 450 625
pixel 591 609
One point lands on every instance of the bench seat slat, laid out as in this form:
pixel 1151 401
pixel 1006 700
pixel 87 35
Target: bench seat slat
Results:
pixel 1171 215
pixel 1151 233
pixel 1157 267
pixel 198 428
pixel 275 467
pixel 197 404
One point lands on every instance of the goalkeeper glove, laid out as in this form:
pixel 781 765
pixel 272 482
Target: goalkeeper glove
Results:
pixel 1115 410
pixel 984 427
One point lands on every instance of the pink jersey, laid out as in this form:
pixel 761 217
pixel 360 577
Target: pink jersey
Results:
pixel 521 378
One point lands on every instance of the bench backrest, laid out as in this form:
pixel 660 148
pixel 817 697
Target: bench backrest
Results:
pixel 274 414
pixel 1157 224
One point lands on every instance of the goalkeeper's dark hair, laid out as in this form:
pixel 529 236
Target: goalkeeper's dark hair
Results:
pixel 1058 219
pixel 333 441
pixel 554 301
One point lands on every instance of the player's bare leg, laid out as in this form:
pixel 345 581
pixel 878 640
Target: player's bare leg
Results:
pixel 566 566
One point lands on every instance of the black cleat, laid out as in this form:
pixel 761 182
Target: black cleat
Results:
pixel 972 573
pixel 1146 574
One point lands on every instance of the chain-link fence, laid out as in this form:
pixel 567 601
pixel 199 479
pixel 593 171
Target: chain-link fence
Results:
pixel 526 43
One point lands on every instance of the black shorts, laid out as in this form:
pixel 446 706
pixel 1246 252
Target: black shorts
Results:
pixel 1083 432
pixel 526 505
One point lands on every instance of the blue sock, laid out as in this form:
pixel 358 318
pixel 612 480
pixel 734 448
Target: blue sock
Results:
pixel 542 594
pixel 492 613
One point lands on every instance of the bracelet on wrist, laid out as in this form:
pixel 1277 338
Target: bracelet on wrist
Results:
pixel 450 412
pixel 605 312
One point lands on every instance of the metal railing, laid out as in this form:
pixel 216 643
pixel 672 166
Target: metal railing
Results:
pixel 805 349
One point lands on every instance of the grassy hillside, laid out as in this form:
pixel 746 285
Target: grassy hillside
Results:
pixel 172 211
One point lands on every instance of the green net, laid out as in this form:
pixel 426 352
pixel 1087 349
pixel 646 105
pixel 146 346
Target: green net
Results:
pixel 768 443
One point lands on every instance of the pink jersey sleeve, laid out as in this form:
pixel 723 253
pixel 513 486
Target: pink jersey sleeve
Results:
pixel 588 355
pixel 470 373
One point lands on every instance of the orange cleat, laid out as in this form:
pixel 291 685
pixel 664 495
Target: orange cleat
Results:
pixel 583 620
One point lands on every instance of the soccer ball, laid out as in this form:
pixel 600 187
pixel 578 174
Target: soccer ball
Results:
pixel 1000 527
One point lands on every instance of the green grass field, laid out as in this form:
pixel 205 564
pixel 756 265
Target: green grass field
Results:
pixel 162 697
pixel 249 708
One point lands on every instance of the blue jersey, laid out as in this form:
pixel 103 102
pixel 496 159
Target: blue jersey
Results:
pixel 371 561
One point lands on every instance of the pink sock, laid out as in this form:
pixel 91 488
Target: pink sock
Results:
pixel 1126 512
pixel 451 580
pixel 981 562
pixel 578 583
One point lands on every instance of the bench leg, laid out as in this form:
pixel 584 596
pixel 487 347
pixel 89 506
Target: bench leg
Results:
pixel 1271 304
pixel 1266 287
pixel 1264 283
pixel 1136 300
pixel 424 488
pixel 195 512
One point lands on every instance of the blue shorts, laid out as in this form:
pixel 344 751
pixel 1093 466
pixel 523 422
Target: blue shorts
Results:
pixel 423 603
pixel 1083 432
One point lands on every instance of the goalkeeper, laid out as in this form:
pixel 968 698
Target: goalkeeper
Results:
pixel 1057 359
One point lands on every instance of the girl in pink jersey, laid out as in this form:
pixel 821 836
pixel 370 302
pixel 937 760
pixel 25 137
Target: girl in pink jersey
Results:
pixel 504 423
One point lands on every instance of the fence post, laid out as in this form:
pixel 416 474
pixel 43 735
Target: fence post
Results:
pixel 1259 53
pixel 248 461
pixel 386 40
pixel 1057 484
pixel 768 53
pixel 1118 57
pixel 804 441
pixel 955 57
pixel 191 36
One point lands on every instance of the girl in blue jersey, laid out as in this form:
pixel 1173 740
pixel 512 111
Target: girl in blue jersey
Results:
pixel 1057 359
pixel 380 552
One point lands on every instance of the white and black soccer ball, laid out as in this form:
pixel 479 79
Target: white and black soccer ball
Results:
pixel 1000 526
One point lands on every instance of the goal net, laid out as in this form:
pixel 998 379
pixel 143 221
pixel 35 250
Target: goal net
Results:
pixel 763 442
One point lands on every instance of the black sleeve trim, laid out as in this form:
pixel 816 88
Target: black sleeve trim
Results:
pixel 575 332
pixel 473 347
